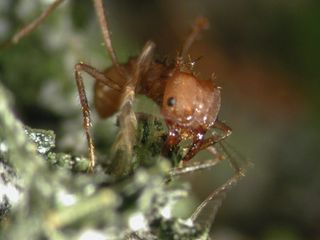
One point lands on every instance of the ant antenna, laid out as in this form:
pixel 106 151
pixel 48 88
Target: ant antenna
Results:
pixel 193 62
pixel 98 4
pixel 200 24
pixel 25 30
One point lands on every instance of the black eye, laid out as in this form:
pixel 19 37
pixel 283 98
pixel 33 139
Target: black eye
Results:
pixel 171 101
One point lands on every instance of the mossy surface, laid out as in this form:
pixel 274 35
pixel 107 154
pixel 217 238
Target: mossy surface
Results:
pixel 50 195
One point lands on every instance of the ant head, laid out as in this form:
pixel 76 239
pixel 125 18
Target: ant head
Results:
pixel 189 102
pixel 179 96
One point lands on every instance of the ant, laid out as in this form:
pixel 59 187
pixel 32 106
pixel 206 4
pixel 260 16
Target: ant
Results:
pixel 190 106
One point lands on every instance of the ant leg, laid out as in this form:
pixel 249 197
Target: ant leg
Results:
pixel 142 65
pixel 200 24
pixel 226 132
pixel 218 195
pixel 143 62
pixel 200 143
pixel 196 166
pixel 35 23
pixel 193 150
pixel 220 192
pixel 84 102
pixel 124 143
pixel 98 76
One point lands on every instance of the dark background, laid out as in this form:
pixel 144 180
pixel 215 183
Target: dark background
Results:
pixel 265 55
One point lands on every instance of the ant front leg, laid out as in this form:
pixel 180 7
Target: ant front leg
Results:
pixel 123 145
pixel 98 76
pixel 199 143
pixel 195 147
pixel 226 132
pixel 217 138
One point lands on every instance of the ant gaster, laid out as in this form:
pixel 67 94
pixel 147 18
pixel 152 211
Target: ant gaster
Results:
pixel 189 105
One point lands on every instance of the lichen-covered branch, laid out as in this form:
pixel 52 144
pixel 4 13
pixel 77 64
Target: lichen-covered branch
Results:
pixel 55 198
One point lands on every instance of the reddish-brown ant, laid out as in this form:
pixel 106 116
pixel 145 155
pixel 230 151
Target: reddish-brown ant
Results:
pixel 189 105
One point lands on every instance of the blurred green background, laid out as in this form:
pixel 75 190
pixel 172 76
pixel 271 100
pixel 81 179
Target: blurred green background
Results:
pixel 265 55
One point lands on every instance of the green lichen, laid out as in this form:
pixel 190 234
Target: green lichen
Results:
pixel 60 200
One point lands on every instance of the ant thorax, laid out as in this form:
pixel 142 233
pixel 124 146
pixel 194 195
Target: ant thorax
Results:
pixel 151 83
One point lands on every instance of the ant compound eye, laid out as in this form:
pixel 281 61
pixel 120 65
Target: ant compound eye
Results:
pixel 171 101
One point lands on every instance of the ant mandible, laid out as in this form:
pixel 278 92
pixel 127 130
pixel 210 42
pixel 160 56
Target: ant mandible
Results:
pixel 190 106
